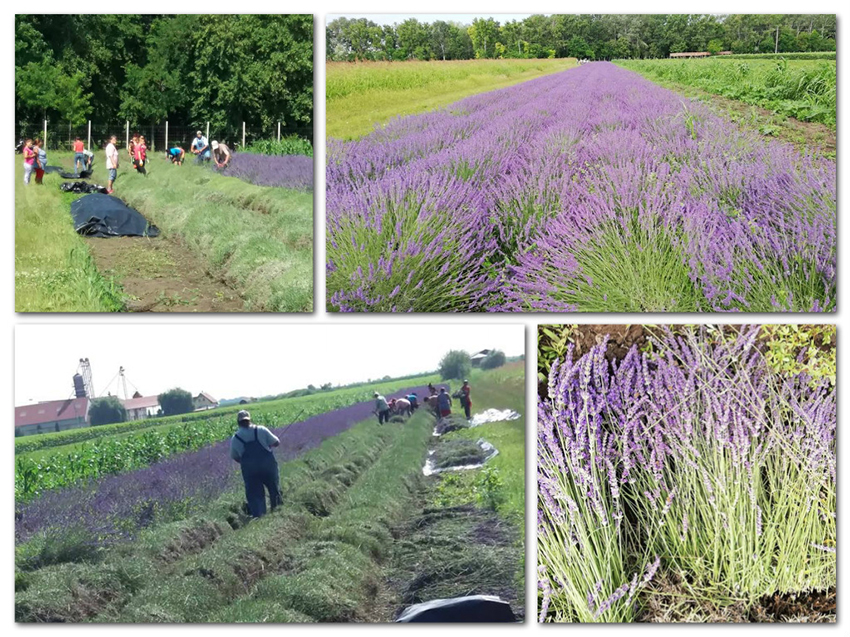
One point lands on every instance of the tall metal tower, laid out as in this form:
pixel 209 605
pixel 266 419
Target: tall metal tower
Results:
pixel 84 370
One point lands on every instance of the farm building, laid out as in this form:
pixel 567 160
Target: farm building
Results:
pixel 478 357
pixel 204 401
pixel 140 407
pixel 691 54
pixel 53 415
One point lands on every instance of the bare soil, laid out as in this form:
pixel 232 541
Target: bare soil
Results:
pixel 160 275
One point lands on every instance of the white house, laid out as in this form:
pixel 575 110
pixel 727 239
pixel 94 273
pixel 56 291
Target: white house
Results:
pixel 204 401
pixel 141 407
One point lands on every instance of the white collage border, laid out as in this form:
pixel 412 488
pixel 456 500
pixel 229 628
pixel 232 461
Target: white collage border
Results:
pixel 320 9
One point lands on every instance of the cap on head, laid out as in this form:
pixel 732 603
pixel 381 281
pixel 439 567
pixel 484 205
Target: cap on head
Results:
pixel 377 394
pixel 199 133
pixel 214 144
pixel 465 381
pixel 243 416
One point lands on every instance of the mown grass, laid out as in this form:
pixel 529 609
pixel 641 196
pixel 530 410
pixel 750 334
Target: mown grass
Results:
pixel 54 271
pixel 365 94
pixel 259 240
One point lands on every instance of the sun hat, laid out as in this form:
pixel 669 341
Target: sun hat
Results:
pixel 242 416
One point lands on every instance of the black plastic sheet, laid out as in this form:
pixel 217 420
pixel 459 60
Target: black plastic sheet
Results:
pixel 99 215
pixel 473 608
pixel 82 186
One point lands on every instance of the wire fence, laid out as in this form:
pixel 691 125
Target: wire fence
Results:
pixel 158 137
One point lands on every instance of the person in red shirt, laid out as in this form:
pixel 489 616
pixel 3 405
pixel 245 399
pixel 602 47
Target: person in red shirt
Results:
pixel 465 400
pixel 29 160
pixel 79 156
pixel 140 152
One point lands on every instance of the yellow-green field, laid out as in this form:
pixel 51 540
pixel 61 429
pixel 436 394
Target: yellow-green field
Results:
pixel 361 95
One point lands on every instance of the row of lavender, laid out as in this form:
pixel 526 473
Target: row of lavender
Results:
pixel 115 508
pixel 279 171
pixel 698 463
pixel 588 190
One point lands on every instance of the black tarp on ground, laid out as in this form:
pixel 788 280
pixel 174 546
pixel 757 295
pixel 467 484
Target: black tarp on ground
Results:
pixel 473 608
pixel 82 186
pixel 64 174
pixel 99 215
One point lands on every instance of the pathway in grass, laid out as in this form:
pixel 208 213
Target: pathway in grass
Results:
pixel 161 275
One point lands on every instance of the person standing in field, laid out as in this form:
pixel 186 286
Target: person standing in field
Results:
pixel 140 152
pixel 444 403
pixel 131 147
pixel 40 160
pixel 111 162
pixel 79 155
pixel 251 446
pixel 200 148
pixel 29 161
pixel 382 409
pixel 221 154
pixel 465 400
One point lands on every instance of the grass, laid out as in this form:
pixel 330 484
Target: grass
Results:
pixel 365 94
pixel 803 89
pixel 259 240
pixel 54 271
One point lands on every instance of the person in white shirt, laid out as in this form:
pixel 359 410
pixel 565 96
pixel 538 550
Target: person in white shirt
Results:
pixel 111 162
pixel 251 446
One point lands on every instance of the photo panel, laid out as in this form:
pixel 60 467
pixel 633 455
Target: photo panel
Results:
pixel 581 163
pixel 165 163
pixel 687 473
pixel 314 473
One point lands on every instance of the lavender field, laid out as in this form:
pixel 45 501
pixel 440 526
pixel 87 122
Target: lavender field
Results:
pixel 279 171
pixel 693 479
pixel 588 190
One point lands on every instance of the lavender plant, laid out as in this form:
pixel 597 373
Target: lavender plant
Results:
pixel 698 453
pixel 539 197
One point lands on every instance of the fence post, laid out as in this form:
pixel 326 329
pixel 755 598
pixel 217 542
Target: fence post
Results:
pixel 208 132
pixel 153 138
pixel 127 140
pixel 45 133
pixel 166 135
pixel 88 141
pixel 278 132
pixel 243 136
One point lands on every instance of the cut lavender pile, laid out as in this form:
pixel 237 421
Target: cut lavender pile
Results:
pixel 588 190
pixel 699 460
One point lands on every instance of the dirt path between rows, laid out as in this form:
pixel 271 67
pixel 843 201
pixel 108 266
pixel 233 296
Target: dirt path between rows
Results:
pixel 160 275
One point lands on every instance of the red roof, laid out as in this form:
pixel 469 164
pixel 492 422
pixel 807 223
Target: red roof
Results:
pixel 51 411
pixel 207 396
pixel 145 402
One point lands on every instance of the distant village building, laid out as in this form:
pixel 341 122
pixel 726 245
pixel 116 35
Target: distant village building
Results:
pixel 691 54
pixel 140 407
pixel 53 415
pixel 477 357
pixel 204 401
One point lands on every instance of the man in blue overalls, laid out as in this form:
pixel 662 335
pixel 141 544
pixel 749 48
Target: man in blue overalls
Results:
pixel 251 446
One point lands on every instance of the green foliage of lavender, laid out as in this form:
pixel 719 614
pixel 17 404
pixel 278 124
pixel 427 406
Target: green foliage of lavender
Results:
pixel 697 459
pixel 588 190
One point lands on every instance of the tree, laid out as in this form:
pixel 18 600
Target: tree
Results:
pixel 714 47
pixel 107 410
pixel 176 401
pixel 484 34
pixel 455 364
pixel 496 358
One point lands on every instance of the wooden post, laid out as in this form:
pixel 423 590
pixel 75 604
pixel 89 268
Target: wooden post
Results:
pixel 278 132
pixel 88 141
pixel 127 140
pixel 243 136
pixel 208 132
pixel 166 135
pixel 45 133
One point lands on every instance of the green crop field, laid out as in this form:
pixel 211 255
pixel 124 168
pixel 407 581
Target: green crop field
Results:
pixel 361 95
pixel 258 240
pixel 801 88
pixel 358 536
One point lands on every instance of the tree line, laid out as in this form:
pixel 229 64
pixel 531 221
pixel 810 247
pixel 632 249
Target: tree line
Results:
pixel 594 37
pixel 191 69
